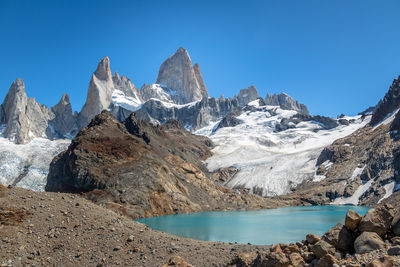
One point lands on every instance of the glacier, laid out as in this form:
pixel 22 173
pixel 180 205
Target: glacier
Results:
pixel 27 165
pixel 272 163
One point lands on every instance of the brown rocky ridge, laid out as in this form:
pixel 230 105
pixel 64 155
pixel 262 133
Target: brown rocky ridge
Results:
pixel 142 170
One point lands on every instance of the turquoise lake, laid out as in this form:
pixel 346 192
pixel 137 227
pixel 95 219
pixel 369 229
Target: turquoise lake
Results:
pixel 260 227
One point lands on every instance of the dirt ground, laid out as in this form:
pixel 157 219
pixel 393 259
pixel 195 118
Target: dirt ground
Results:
pixel 41 228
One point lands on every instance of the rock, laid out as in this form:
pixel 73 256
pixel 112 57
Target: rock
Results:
pixel 292 248
pixel 377 220
pixel 285 102
pixel 327 261
pixel 312 239
pixel 308 256
pixel 178 262
pixel 125 85
pixel 394 251
pixel 386 261
pixel 296 259
pixel 199 77
pixel 130 238
pixel 395 240
pixel 247 95
pixel 178 75
pixel 367 242
pixel 352 220
pixel 272 259
pixel 246 259
pixel 339 237
pixel 321 248
pixel 396 228
pixel 388 104
pixel 229 120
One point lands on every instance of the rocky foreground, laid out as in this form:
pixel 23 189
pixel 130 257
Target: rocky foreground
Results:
pixel 66 229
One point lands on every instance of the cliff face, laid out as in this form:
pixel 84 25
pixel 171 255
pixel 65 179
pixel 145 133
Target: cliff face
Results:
pixel 24 118
pixel 142 170
pixel 99 94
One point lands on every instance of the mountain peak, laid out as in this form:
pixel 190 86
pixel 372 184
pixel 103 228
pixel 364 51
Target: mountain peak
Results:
pixel 178 74
pixel 103 71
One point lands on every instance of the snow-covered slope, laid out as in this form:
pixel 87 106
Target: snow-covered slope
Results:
pixel 27 165
pixel 269 162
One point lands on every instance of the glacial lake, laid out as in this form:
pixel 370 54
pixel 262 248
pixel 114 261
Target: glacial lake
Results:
pixel 259 227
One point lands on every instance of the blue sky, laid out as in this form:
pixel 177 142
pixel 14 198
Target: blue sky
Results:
pixel 334 56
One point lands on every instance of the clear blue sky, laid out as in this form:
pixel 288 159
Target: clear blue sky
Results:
pixel 334 56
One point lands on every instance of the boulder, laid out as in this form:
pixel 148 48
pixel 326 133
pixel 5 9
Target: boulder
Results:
pixel 177 261
pixel 272 259
pixel 296 259
pixel 352 220
pixel 368 241
pixel 321 248
pixel 292 248
pixel 312 239
pixel 339 237
pixel 386 261
pixel 377 220
pixel 246 259
pixel 327 261
pixel 394 251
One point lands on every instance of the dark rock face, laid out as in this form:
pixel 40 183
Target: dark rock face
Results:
pixel 286 102
pixel 192 116
pixel 326 122
pixel 388 104
pixel 229 120
pixel 142 170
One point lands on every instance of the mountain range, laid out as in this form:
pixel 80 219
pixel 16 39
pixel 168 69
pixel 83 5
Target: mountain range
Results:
pixel 268 146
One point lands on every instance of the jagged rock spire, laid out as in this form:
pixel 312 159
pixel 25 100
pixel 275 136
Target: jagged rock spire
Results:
pixel 99 94
pixel 178 74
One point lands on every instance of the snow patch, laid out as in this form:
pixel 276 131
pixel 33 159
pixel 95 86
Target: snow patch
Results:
pixel 389 189
pixel 355 198
pixel 119 99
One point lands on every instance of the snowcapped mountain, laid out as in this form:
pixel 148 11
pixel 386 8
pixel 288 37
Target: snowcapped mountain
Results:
pixel 273 143
pixel 270 162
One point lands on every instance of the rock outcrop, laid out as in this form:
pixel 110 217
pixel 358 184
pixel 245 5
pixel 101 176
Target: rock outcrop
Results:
pixel 286 102
pixel 247 95
pixel 183 80
pixel 64 123
pixel 143 170
pixel 125 85
pixel 388 104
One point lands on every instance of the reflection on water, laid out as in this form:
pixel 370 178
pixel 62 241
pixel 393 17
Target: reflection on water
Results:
pixel 273 226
